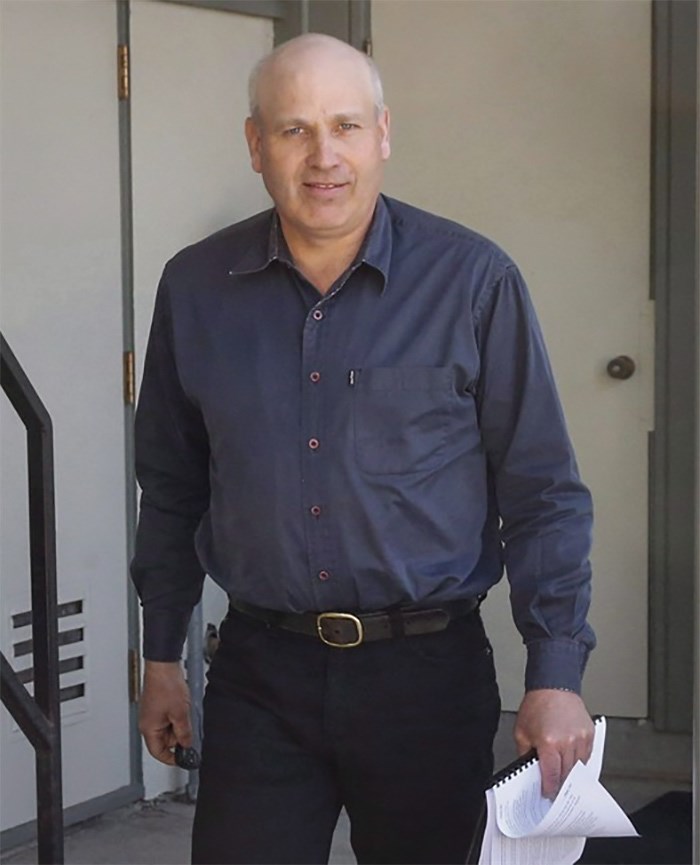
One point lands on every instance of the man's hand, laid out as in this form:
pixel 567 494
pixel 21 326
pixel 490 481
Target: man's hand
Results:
pixel 164 714
pixel 558 726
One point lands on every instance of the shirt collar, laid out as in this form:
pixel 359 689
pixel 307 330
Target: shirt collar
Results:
pixel 376 249
pixel 266 248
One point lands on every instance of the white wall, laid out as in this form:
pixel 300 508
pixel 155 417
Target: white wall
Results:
pixel 60 266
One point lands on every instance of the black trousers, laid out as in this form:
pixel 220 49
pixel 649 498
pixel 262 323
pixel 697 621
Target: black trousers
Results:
pixel 398 731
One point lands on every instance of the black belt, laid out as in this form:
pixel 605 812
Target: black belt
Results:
pixel 347 630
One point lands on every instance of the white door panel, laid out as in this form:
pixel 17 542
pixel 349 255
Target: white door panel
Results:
pixel 191 172
pixel 62 316
pixel 529 122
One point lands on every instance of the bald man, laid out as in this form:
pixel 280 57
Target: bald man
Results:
pixel 348 420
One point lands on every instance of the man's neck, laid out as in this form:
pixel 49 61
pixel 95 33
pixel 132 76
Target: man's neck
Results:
pixel 323 266
pixel 324 260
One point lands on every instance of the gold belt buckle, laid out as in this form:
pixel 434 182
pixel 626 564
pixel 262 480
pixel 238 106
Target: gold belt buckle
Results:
pixel 348 617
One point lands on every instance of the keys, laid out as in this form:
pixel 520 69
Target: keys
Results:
pixel 187 758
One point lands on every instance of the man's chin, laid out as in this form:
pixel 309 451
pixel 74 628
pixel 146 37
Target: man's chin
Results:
pixel 321 221
pixel 327 220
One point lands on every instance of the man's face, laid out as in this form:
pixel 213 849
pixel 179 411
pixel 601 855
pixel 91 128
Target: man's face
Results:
pixel 319 144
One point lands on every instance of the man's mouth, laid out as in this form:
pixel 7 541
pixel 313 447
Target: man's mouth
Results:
pixel 325 185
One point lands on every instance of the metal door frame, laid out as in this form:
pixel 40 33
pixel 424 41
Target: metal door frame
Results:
pixel 674 446
pixel 346 19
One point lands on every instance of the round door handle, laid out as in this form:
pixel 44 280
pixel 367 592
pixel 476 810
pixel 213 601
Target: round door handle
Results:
pixel 621 367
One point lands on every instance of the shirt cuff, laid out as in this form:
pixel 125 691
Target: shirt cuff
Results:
pixel 555 664
pixel 164 633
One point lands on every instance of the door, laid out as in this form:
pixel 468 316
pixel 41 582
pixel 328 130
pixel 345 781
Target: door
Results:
pixel 190 166
pixel 529 122
pixel 62 316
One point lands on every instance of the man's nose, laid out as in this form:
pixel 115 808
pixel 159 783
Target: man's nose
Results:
pixel 324 154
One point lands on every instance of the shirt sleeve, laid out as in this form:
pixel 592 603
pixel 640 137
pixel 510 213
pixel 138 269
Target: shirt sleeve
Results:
pixel 545 510
pixel 172 467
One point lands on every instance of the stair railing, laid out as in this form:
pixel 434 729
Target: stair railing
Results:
pixel 38 717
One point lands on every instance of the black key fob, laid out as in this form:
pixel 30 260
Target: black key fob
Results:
pixel 187 758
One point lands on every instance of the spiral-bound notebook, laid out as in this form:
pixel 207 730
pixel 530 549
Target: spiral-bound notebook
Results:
pixel 509 771
pixel 520 827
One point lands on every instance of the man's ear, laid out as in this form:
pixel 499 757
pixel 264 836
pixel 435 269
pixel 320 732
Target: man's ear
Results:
pixel 384 124
pixel 253 137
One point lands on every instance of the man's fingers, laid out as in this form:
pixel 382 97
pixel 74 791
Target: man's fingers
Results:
pixel 568 761
pixel 161 740
pixel 584 745
pixel 159 744
pixel 551 771
pixel 523 743
pixel 558 726
pixel 182 729
pixel 556 763
pixel 165 710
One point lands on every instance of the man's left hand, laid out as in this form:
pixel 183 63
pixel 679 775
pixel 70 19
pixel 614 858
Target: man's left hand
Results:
pixel 557 725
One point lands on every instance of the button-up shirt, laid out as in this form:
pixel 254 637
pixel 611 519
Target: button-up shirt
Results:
pixel 396 441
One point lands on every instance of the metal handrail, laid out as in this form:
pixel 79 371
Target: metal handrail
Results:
pixel 39 717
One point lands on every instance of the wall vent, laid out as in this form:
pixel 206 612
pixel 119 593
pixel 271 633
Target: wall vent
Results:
pixel 72 654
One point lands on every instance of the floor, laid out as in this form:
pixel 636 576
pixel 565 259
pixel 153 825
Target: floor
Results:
pixel 146 833
pixel 157 832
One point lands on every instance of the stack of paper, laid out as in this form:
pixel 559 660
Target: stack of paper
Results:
pixel 524 828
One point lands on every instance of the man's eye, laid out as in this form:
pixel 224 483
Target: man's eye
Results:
pixel 347 126
pixel 293 130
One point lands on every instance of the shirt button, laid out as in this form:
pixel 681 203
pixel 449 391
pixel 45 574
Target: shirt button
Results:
pixel 315 511
pixel 314 444
pixel 317 314
pixel 323 575
pixel 315 376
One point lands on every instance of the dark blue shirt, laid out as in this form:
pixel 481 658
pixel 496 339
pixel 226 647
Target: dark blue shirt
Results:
pixel 396 441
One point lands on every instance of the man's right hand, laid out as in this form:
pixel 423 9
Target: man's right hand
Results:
pixel 164 713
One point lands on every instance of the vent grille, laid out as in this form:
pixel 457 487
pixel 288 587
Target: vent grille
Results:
pixel 72 654
pixel 65 638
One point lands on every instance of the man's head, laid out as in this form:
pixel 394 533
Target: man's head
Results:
pixel 319 135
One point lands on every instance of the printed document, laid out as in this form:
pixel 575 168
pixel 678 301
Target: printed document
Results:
pixel 524 828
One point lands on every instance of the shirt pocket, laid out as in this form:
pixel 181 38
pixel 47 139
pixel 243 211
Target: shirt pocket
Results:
pixel 401 418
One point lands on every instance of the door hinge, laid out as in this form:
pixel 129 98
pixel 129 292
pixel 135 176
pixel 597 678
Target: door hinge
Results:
pixel 129 378
pixel 367 47
pixel 123 72
pixel 134 676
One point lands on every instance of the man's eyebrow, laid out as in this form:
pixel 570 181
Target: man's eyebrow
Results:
pixel 340 117
pixel 348 115
pixel 290 122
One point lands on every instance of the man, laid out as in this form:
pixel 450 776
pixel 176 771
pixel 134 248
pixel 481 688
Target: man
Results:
pixel 348 420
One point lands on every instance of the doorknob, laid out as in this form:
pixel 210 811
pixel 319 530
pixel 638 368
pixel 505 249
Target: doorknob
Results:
pixel 621 367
